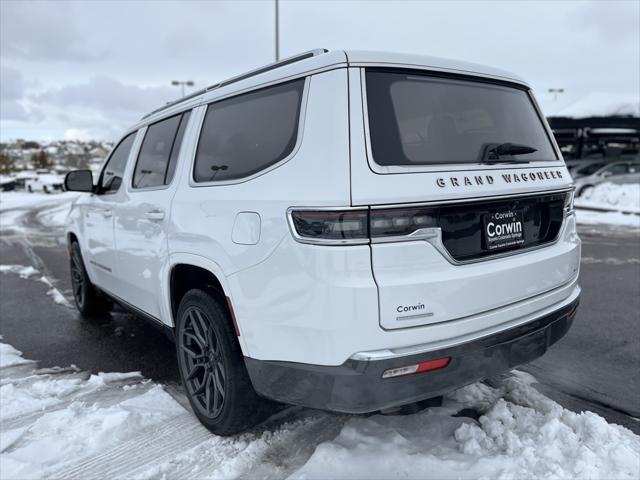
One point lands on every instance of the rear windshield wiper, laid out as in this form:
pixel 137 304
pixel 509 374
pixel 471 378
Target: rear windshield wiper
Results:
pixel 503 152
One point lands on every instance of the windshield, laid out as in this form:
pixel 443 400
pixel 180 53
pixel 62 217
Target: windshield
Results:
pixel 417 119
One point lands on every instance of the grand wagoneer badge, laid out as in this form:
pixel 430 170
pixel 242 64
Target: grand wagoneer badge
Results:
pixel 470 180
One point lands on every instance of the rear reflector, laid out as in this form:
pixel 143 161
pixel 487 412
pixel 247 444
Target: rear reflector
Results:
pixel 417 368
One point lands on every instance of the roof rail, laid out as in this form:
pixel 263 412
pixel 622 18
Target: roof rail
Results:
pixel 251 73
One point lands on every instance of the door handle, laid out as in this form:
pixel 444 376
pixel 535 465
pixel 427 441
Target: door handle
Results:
pixel 154 215
pixel 107 213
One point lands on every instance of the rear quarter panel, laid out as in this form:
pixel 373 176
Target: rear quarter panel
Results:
pixel 203 217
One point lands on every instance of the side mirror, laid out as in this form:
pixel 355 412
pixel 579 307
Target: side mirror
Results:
pixel 606 174
pixel 79 181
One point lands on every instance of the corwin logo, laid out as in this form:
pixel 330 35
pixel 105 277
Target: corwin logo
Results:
pixel 503 228
pixel 410 308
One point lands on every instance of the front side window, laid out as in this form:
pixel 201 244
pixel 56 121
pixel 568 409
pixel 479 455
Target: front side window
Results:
pixel 159 152
pixel 421 119
pixel 113 171
pixel 245 134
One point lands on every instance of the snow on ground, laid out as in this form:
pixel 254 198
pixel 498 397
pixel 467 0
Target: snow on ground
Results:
pixel 27 272
pixel 521 434
pixel 586 217
pixel 52 417
pixel 13 205
pixel 9 356
pixel 64 423
pixel 23 200
pixel 612 196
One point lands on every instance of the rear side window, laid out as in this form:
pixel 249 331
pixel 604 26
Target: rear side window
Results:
pixel 245 134
pixel 113 171
pixel 417 119
pixel 159 152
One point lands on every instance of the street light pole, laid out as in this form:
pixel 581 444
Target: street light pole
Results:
pixel 277 30
pixel 182 84
pixel 555 92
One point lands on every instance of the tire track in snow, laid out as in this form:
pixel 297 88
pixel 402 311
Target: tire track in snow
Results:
pixel 151 445
pixel 102 396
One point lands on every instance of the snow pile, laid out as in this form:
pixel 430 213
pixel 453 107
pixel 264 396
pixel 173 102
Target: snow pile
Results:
pixel 521 434
pixel 613 196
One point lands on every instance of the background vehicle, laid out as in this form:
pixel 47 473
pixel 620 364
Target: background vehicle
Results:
pixel 7 183
pixel 44 181
pixel 596 137
pixel 608 172
pixel 351 231
pixel 586 167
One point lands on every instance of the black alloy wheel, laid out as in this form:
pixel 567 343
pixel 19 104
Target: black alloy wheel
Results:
pixel 211 364
pixel 87 299
pixel 203 365
pixel 77 279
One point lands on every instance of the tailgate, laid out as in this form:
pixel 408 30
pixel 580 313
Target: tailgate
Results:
pixel 462 271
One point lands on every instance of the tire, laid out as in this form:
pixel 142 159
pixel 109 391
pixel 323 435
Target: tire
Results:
pixel 212 367
pixel 87 299
pixel 45 189
pixel 30 189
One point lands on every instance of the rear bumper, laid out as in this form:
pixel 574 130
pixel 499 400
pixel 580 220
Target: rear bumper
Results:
pixel 357 386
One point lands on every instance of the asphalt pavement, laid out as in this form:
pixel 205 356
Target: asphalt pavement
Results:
pixel 595 367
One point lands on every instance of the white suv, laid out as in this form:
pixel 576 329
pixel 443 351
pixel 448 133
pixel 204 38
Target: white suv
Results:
pixel 350 231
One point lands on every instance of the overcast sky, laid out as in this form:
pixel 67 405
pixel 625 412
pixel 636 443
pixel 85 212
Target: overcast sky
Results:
pixel 89 69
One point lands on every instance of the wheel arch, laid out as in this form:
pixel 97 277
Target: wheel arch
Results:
pixel 191 271
pixel 71 238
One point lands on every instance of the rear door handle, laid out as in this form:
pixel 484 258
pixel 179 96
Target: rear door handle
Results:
pixel 154 215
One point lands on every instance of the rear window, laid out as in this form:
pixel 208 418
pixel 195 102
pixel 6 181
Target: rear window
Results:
pixel 417 119
pixel 245 134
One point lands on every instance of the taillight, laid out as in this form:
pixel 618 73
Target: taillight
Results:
pixel 331 226
pixel 360 226
pixel 568 202
pixel 401 222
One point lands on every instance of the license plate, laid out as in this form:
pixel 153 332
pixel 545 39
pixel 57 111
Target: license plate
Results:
pixel 503 229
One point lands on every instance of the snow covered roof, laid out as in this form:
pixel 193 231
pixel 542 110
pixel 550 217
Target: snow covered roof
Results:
pixel 602 104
